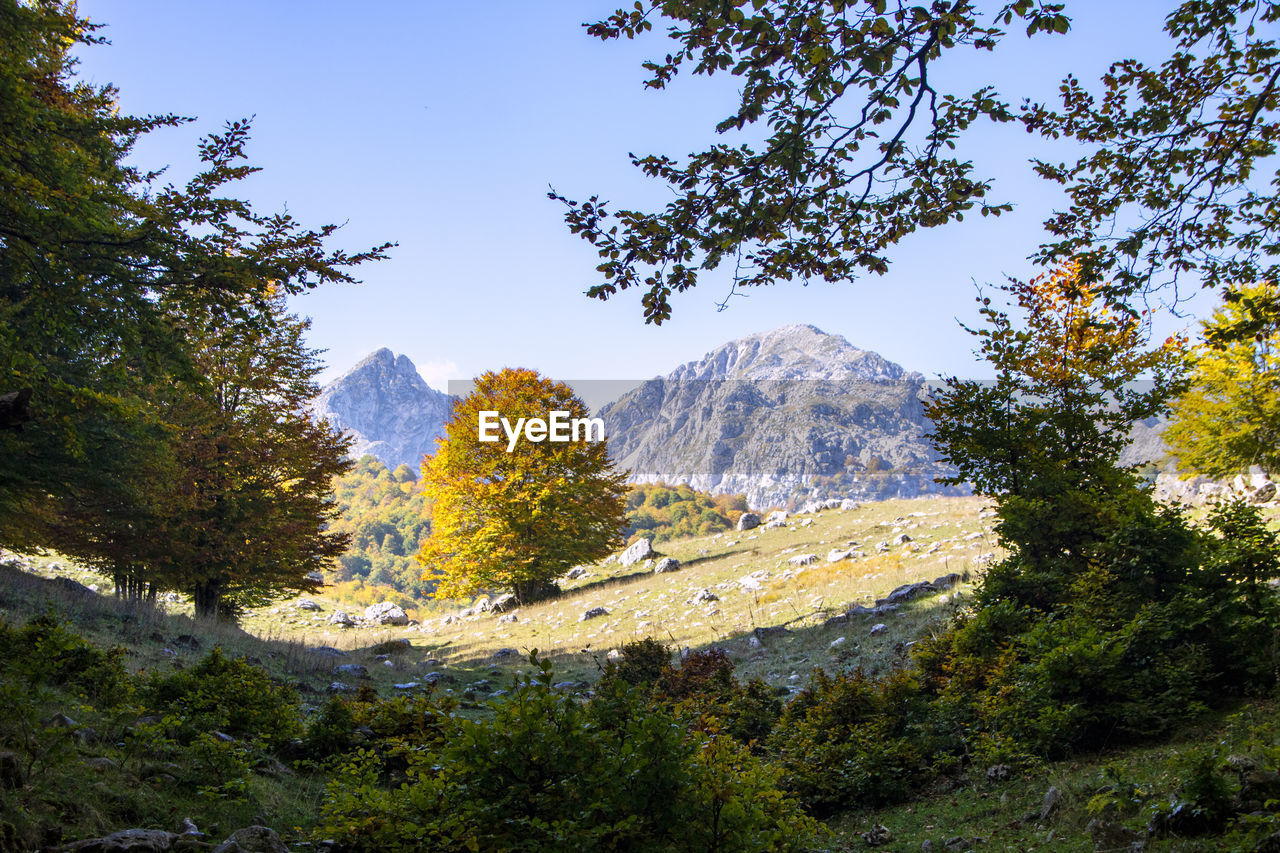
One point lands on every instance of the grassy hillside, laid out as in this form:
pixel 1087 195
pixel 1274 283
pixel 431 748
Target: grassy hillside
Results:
pixel 776 620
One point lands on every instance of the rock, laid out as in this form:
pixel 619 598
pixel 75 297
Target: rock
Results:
pixel 1265 492
pixel 341 618
pixel 316 576
pixel 354 669
pixel 806 522
pixel 594 613
pixel 504 603
pixel 188 827
pixel 901 539
pixel 507 652
pixel 252 839
pixel 836 643
pixel 769 631
pixel 1051 804
pixel 437 678
pixel 1257 477
pixel 802 560
pixel 509 619
pixel 848 504
pixel 385 613
pixel 666 564
pixel 398 646
pixel 753 642
pixel 774 524
pixel 748 521
pixel 614 656
pixel 946 581
pixel 778 516
pixel 339 687
pixel 877 835
pixel 750 582
pixel 329 652
pixel 408 685
pixel 998 772
pixel 704 597
pixel 308 604
pixel 835 555
pixel 908 592
pixel 127 841
pixel 958 842
pixel 878 628
pixel 567 685
pixel 186 641
pixel 637 551
pixel 575 573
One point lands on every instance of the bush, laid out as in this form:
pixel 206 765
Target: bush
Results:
pixel 231 696
pixel 547 773
pixel 45 652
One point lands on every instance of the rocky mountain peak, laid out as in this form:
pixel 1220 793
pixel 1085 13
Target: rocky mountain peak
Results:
pixel 791 352
pixel 387 407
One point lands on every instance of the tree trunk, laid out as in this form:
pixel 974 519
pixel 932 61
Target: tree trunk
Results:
pixel 535 590
pixel 207 597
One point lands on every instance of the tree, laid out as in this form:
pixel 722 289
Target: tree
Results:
pixel 517 515
pixel 864 144
pixel 1044 438
pixel 252 502
pixel 96 264
pixel 1229 418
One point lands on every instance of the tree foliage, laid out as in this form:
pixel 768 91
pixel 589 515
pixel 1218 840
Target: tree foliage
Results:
pixel 661 512
pixel 518 519
pixel 1044 438
pixel 124 307
pixel 849 139
pixel 1229 417
pixel 388 517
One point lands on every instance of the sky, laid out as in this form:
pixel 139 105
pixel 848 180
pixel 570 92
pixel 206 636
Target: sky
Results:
pixel 441 125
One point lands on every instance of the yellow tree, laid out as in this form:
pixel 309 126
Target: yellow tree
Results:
pixel 523 489
pixel 1229 418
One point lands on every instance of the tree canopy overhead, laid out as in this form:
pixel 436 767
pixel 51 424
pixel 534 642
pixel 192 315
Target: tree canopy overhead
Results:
pixel 865 143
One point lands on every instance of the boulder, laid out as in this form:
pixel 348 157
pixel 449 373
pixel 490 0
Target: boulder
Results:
pixel 596 612
pixel 748 521
pixel 508 619
pixel 72 586
pixel 637 551
pixel 355 669
pixel 704 597
pixel 308 604
pixel 666 564
pixel 901 539
pixel 878 628
pixel 802 560
pixel 769 631
pixel 127 841
pixel 252 839
pixel 835 555
pixel 386 613
pixel 908 592
pixel 947 581
pixel 341 618
pixel 575 573
pixel 329 652
pixel 503 603
pixel 1262 494
pixel 778 516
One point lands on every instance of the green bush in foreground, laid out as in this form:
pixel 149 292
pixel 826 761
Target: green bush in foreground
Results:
pixel 548 773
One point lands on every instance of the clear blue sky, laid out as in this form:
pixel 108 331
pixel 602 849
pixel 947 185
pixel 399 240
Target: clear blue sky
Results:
pixel 439 125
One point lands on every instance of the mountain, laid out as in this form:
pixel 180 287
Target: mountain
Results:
pixel 785 417
pixel 387 408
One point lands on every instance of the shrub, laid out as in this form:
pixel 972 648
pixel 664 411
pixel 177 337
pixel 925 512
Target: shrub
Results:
pixel 45 652
pixel 547 773
pixel 228 695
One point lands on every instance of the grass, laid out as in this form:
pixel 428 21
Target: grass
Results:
pixel 947 535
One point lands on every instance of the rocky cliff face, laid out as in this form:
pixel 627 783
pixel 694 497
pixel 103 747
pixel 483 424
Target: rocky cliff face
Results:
pixel 387 408
pixel 784 417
